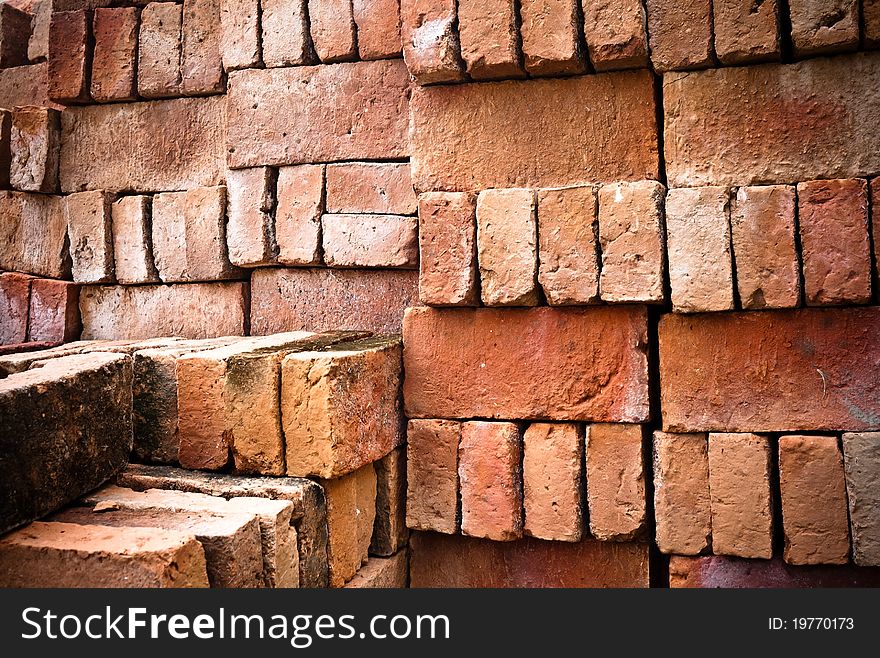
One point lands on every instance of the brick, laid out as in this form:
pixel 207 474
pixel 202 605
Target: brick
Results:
pixel 680 34
pixel 475 137
pixel 201 66
pixel 35 145
pixel 488 35
pixel 442 561
pixel 871 23
pixel 746 33
pixel 367 240
pixel 861 456
pixel 814 507
pixel 332 27
pixel 116 49
pixel 552 474
pixel 324 396
pixel 507 247
pixel 351 512
pixel 382 573
pixel 739 485
pixel 300 204
pixel 307 497
pixel 240 34
pixel 788 371
pixel 698 244
pixel 15 295
pixel 762 225
pixel 15 31
pixel 378 28
pixel 823 27
pixel 481 363
pixel 448 249
pixel 89 229
pixel 38 45
pixel 54 311
pixel 615 34
pixel 390 534
pixel 632 238
pixel 550 38
pixel 354 111
pixel 432 475
pixel 616 481
pixel 76 414
pixel 133 256
pixel 431 47
pixel 159 50
pixel 195 310
pixel 490 472
pixel 5 147
pixel 768 126
pixel 250 228
pixel 370 187
pixel 168 236
pixel 69 56
pixel 35 235
pixel 712 571
pixel 567 249
pixel 325 300
pixel 875 228
pixel 833 222
pixel 681 493
pixel 16 349
pixel 26 85
pixel 72 555
pixel 21 361
pixel 285 33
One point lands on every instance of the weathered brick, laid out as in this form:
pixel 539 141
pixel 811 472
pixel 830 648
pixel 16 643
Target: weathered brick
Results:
pixel 482 363
pixel 632 238
pixel 507 247
pixel 871 23
pixel 15 295
pixel 168 236
pixel 332 27
pixel 17 362
pixel 490 473
pixel 698 246
pixel 250 229
pixel 5 147
pixel 442 561
pixel 38 45
pixel 389 530
pixel 774 123
pixel 567 250
pixel 713 571
pixel 34 238
pixel 35 144
pixel 819 26
pixel 116 48
pixel 681 493
pixel 201 66
pixel 746 32
pixel 382 573
pixel 833 222
pixel 159 50
pixel 195 310
pixel 814 507
pixel 205 218
pixel 69 56
pixel 26 85
pixel 72 555
pixel 552 473
pixel 594 128
pixel 680 34
pixel 616 481
pixel 370 187
pixel 240 34
pixel 76 414
pixel 447 249
pixel 285 33
pixel 299 193
pixel 431 46
pixel 54 311
pixel 875 228
pixel 762 227
pixel 432 475
pixel 324 299
pixel 739 485
pixel 94 158
pixel 861 455
pixel 349 111
pixel 378 28
pixel 367 240
pixel 15 31
pixel 488 35
pixel 133 257
pixel 89 229
pixel 351 512
pixel 615 33
pixel 550 37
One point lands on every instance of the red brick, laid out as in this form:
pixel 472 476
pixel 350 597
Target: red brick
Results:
pixel 739 484
pixel 431 46
pixel 89 229
pixel 116 46
pixel 443 561
pixel 326 300
pixel 814 507
pixel 762 225
pixel 871 23
pixel 447 249
pixel 250 228
pixel 616 481
pixel 332 26
pixel 69 56
pixel 390 533
pixel 15 31
pixel 615 33
pixel 746 32
pixel 730 572
pixel 680 34
pixel 681 493
pixel 205 218
pixel 351 511
pixel 861 455
pixel 833 221
pixel 34 238
pixel 168 226
pixel 550 38
pixel 820 26
pixel 131 240
pixel 507 247
pixel 378 28
pixel 159 50
pixel 26 85
pixel 488 35
pixel 552 472
pixel 35 143
pixel 432 475
pixel 5 147
pixel 370 241
pixel 483 363
pixel 595 128
pixel 875 228
pixel 567 251
pixel 54 311
pixel 490 472
pixel 382 573
pixel 240 33
pixel 15 294
pixel 787 371
pixel 285 36
pixel 361 187
pixel 38 45
pixel 201 66
pixel 356 111
pixel 300 202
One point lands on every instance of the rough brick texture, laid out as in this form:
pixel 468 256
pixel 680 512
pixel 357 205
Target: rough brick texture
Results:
pixel 159 50
pixel 69 56
pixel 370 187
pixel 351 511
pixel 861 455
pixel 15 295
pixel 390 533
pixel 35 143
pixel 299 194
pixel 378 28
pixel 447 249
pixel 680 34
pixel 746 33
pixel 116 47
pixel 285 32
pixel 715 571
pixel 550 37
pixel 615 33
pixel 488 33
pixel 54 311
pixel 369 240
pixel 432 475
pixel 819 27
pixel 431 46
pixel 201 68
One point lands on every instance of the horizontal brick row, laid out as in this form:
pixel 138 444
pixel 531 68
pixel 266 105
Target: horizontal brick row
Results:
pixel 37 310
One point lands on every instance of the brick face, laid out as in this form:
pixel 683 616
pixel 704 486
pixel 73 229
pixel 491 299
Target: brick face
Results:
pixel 746 33
pixel 54 311
pixel 432 475
pixel 550 38
pixel 201 67
pixel 332 28
pixel 861 453
pixel 716 571
pixel 615 33
pixel 69 57
pixel 447 249
pixel 431 46
pixel 680 34
pixel 14 302
pixel 824 27
pixel 159 50
pixel 113 66
pixel 487 29
pixel 285 32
